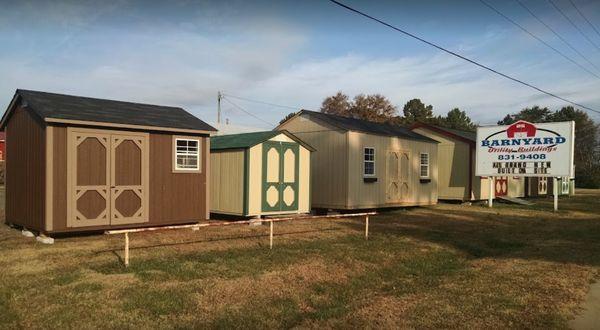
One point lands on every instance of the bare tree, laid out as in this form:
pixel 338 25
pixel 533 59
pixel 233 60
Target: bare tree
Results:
pixel 374 107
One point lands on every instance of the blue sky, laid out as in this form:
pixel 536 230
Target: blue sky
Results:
pixel 295 53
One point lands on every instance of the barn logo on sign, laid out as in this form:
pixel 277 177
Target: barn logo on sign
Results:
pixel 523 136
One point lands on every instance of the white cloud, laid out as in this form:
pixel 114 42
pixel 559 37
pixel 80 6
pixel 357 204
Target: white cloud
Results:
pixel 440 80
pixel 186 63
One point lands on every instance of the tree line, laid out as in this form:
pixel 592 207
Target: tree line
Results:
pixel 378 108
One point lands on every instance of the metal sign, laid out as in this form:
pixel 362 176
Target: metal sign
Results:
pixel 526 149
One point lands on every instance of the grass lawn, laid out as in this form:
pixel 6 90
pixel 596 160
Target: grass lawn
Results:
pixel 450 266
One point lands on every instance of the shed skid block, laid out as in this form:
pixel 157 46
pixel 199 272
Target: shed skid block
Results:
pixel 255 222
pixel 45 239
pixel 25 232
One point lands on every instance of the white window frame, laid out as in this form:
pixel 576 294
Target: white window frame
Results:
pixel 369 161
pixel 428 165
pixel 176 153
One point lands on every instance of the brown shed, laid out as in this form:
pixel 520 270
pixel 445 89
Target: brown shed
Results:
pixel 80 164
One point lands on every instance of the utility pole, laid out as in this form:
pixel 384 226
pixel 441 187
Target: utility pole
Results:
pixel 219 97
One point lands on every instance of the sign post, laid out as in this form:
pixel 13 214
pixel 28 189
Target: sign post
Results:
pixel 555 191
pixel 525 149
pixel 491 194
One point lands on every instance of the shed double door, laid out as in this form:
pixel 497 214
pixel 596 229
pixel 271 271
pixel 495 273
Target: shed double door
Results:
pixel 500 186
pixel 542 186
pixel 107 179
pixel 280 162
pixel 398 176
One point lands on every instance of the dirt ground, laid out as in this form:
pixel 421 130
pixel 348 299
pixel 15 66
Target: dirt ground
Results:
pixel 449 266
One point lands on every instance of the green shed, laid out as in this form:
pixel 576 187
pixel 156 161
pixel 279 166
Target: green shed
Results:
pixel 261 173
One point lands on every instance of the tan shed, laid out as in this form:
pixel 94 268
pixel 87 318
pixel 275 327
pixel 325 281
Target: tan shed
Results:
pixel 360 164
pixel 260 173
pixel 456 167
pixel 81 164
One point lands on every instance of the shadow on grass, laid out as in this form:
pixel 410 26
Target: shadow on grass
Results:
pixel 480 234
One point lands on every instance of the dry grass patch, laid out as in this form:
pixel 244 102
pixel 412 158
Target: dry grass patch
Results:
pixel 450 266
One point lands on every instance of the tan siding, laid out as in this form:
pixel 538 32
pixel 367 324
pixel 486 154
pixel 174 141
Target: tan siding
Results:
pixel 516 187
pixel 255 180
pixel 329 166
pixel 304 184
pixel 481 189
pixel 215 184
pixel 373 194
pixel 25 170
pixel 453 166
pixel 227 181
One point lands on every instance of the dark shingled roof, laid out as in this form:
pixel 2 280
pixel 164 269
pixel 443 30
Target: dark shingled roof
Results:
pixel 247 140
pixel 360 125
pixel 467 135
pixel 60 106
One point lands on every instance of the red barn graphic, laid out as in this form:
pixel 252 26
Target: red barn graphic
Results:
pixel 521 129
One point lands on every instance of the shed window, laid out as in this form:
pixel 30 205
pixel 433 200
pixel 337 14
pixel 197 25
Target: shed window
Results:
pixel 187 154
pixel 424 165
pixel 369 162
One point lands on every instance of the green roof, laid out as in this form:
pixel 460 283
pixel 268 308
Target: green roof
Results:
pixel 241 141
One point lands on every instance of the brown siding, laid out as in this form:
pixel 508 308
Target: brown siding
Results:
pixel 25 170
pixel 174 197
pixel 59 168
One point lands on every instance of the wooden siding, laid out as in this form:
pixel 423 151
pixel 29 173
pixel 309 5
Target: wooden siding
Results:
pixel 60 178
pixel 481 188
pixel 25 170
pixel 516 187
pixel 329 165
pixel 173 197
pixel 304 184
pixel 227 182
pixel 373 194
pixel 453 166
pixel 255 164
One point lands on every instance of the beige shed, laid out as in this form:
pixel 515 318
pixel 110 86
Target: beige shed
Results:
pixel 261 173
pixel 360 164
pixel 456 174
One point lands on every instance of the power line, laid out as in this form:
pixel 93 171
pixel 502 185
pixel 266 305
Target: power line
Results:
pixel 263 102
pixel 247 112
pixel 573 23
pixel 556 33
pixel 462 57
pixel 585 18
pixel 538 39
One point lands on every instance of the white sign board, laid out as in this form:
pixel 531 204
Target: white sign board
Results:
pixel 526 149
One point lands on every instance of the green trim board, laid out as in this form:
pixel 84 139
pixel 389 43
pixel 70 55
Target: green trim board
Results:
pixel 294 185
pixel 280 185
